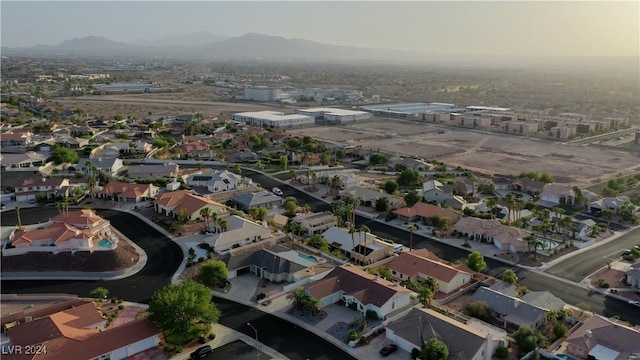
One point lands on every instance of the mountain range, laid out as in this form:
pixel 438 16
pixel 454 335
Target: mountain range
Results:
pixel 207 45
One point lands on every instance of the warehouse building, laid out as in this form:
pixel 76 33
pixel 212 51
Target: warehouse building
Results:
pixel 335 116
pixel 275 119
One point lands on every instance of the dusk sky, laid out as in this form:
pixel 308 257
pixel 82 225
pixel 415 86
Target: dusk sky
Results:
pixel 564 28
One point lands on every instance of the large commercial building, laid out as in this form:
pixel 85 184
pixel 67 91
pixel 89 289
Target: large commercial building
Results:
pixel 335 116
pixel 275 119
pixel 410 110
pixel 262 93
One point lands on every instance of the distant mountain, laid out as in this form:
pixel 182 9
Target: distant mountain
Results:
pixel 192 39
pixel 249 46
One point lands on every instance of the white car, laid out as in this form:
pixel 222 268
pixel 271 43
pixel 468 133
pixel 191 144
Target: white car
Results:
pixel 277 191
pixel 634 303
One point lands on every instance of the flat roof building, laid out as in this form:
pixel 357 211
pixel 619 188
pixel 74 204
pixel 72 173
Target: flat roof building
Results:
pixel 335 116
pixel 275 119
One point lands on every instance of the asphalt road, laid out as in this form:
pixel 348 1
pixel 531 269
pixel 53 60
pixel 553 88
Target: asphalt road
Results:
pixel 288 339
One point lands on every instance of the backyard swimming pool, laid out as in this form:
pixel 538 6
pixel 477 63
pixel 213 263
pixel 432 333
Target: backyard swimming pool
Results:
pixel 308 257
pixel 105 243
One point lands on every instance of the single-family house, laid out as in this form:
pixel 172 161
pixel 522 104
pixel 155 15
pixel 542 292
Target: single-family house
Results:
pixel 145 171
pixel 218 181
pixel 363 247
pixel 584 228
pixel 368 197
pixel 77 333
pixel 75 230
pixel 456 202
pixel 256 199
pixel 435 192
pixel 316 223
pixel 359 291
pixel 557 195
pixel 492 231
pixel 127 192
pixel 347 179
pixel 528 185
pixel 30 161
pixel 504 182
pixel 510 310
pixel 238 231
pixel 50 187
pixel 632 276
pixel 422 211
pixel 602 339
pixel 419 264
pixel 275 263
pixel 542 299
pixel 174 203
pixel 610 203
pixel 408 163
pixel 109 165
pixel 464 341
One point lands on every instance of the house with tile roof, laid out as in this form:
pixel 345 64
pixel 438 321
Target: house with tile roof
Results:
pixel 144 171
pixel 368 197
pixel 256 199
pixel 50 187
pixel 464 341
pixel 75 230
pixel 511 311
pixel 421 211
pixel 492 231
pixel 173 202
pixel 557 195
pixel 419 264
pixel 76 333
pixel 435 192
pixel 239 232
pixel 29 161
pixel 528 185
pixel 127 192
pixel 219 181
pixel 362 247
pixel 316 223
pixel 360 291
pixel 275 263
pixel 110 165
pixel 602 339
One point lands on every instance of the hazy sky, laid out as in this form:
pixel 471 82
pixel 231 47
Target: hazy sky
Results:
pixel 502 27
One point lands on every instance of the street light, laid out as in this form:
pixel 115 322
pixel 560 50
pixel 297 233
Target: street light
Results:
pixel 256 331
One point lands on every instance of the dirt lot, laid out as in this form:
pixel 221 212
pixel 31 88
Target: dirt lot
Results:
pixel 482 151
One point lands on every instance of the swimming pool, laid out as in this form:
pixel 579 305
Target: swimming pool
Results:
pixel 105 243
pixel 549 245
pixel 308 257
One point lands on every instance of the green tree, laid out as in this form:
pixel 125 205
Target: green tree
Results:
pixel 62 155
pixel 183 310
pixel 411 229
pixel 412 198
pixel 479 310
pixel 510 276
pixel 492 202
pixel 529 339
pixel 319 242
pixel 284 162
pixel 409 178
pixel 206 214
pixel 382 204
pixel 214 273
pixel 559 330
pixel 290 207
pixel 390 186
pixel 378 159
pixel 434 349
pixel 475 261
pixel 99 293
pixel 183 216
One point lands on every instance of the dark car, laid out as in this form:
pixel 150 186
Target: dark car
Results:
pixel 390 217
pixel 201 352
pixel 388 350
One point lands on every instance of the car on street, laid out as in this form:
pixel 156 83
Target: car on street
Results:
pixel 388 349
pixel 201 352
pixel 390 217
pixel 634 303
pixel 277 191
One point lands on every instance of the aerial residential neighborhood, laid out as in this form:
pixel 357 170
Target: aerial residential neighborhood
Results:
pixel 259 197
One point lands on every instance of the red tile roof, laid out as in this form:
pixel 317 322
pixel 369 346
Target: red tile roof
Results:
pixel 427 210
pixel 423 262
pixel 182 199
pixel 125 189
pixel 79 217
pixel 58 233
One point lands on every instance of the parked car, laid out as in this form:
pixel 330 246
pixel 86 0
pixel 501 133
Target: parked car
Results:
pixel 390 217
pixel 634 303
pixel 277 191
pixel 201 352
pixel 388 350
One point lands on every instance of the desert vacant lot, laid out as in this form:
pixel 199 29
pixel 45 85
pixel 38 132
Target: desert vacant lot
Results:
pixel 483 151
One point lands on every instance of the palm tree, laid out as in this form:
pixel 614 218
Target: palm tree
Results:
pixel 206 213
pixel 425 295
pixel 558 211
pixel 18 215
pixel 214 217
pixel 352 231
pixel 314 177
pixel 492 202
pixel 293 175
pixel 363 230
pixel 224 224
pixel 411 229
pixel 565 222
pixel 336 180
pixel 510 203
pixel 432 284
pixel 529 239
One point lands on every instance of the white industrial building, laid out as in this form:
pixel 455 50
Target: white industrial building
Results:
pixel 275 119
pixel 262 93
pixel 335 116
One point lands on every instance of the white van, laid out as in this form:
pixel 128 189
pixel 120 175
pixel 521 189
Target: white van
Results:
pixel 397 248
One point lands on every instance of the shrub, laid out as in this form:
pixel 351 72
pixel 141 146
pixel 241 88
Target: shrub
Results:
pixel 559 330
pixel 202 340
pixel 261 296
pixel 353 335
pixel 362 340
pixel 502 352
pixel 372 315
pixel 603 284
pixel 415 352
pixel 211 336
pixel 120 307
